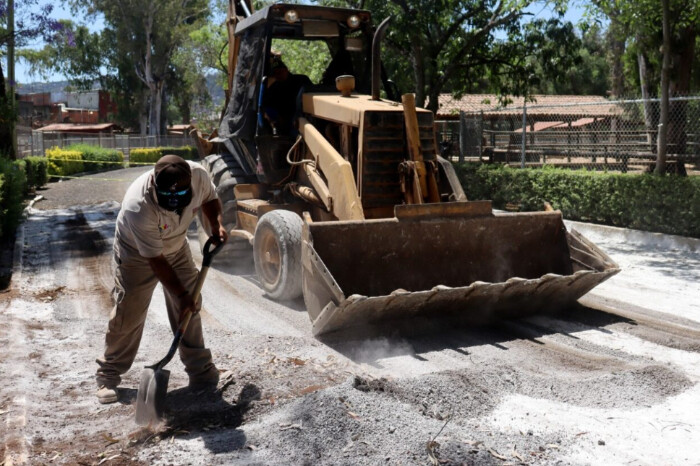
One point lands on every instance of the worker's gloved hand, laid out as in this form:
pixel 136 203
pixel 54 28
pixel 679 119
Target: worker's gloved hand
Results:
pixel 221 236
pixel 186 303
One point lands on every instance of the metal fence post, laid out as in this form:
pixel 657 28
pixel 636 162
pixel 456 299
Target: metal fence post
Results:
pixel 481 135
pixel 462 136
pixel 523 142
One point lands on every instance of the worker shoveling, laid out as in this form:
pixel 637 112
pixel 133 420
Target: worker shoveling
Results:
pixel 150 399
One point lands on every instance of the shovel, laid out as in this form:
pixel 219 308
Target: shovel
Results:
pixel 150 399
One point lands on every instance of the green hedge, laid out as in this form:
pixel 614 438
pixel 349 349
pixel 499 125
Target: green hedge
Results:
pixel 64 162
pixel 98 158
pixel 152 154
pixel 13 186
pixel 665 204
pixel 36 170
pixel 186 152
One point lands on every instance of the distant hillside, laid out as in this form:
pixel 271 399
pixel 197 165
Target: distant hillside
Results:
pixel 213 86
pixel 36 88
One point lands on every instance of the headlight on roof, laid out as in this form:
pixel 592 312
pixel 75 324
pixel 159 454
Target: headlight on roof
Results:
pixel 354 21
pixel 291 16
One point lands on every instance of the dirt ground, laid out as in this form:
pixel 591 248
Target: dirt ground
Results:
pixel 613 380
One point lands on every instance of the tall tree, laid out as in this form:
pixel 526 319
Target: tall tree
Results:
pixel 93 57
pixel 616 45
pixel 451 45
pixel 31 20
pixel 147 33
pixel 641 21
pixel 663 126
pixel 588 73
pixel 199 60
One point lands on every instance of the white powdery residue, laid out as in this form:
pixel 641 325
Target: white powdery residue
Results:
pixel 182 450
pixel 660 272
pixel 247 313
pixel 31 310
pixel 688 362
pixel 652 288
pixel 392 357
pixel 384 356
pixel 381 348
pixel 667 433
pixel 101 218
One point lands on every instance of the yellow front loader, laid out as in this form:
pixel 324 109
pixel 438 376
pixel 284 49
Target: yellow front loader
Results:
pixel 351 206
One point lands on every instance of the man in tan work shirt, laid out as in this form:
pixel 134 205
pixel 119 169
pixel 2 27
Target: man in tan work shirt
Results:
pixel 150 246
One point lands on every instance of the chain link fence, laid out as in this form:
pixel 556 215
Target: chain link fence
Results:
pixel 609 135
pixel 32 142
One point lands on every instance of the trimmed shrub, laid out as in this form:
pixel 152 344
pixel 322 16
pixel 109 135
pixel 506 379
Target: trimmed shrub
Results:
pixel 146 155
pixel 186 152
pixel 98 158
pixel 13 186
pixel 665 204
pixel 152 154
pixel 36 169
pixel 64 162
pixel 21 165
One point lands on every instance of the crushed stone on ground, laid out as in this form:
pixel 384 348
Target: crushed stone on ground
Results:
pixel 607 382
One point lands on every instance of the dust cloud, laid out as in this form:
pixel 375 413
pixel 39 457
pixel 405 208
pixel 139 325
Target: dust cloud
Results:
pixel 371 351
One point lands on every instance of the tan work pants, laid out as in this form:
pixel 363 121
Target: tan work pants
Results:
pixel 134 282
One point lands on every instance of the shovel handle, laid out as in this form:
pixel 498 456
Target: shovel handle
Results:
pixel 207 255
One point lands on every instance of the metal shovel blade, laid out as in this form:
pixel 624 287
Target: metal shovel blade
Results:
pixel 150 399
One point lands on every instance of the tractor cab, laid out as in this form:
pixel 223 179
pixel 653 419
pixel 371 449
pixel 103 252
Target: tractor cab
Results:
pixel 285 51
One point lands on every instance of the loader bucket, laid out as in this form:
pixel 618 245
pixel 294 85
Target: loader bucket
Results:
pixel 457 259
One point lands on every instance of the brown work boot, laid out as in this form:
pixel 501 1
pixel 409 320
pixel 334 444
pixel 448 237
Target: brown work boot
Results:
pixel 208 383
pixel 106 395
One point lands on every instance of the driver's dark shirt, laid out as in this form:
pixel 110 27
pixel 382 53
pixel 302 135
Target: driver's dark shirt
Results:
pixel 279 101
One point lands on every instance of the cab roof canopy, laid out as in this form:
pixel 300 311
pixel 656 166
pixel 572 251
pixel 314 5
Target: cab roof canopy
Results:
pixel 308 14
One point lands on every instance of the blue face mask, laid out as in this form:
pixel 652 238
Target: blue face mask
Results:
pixel 174 200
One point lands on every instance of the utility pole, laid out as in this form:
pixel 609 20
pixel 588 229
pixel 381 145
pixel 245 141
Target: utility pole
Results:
pixel 11 74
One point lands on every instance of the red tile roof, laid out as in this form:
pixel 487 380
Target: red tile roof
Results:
pixel 582 122
pixel 556 125
pixel 180 127
pixel 541 105
pixel 541 126
pixel 73 128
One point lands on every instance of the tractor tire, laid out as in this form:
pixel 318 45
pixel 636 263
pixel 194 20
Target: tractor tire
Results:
pixel 277 254
pixel 225 173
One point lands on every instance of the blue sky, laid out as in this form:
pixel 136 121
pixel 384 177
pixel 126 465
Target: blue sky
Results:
pixel 59 12
pixel 574 14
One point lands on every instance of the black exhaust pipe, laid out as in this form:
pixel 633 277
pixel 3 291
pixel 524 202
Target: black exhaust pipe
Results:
pixel 244 6
pixel 376 60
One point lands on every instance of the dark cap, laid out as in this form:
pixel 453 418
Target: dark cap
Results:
pixel 170 171
pixel 276 62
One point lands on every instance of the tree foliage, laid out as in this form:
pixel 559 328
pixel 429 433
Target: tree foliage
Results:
pixel 32 21
pixel 640 23
pixel 201 54
pixel 462 46
pixel 665 62
pixel 589 73
pixel 146 35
